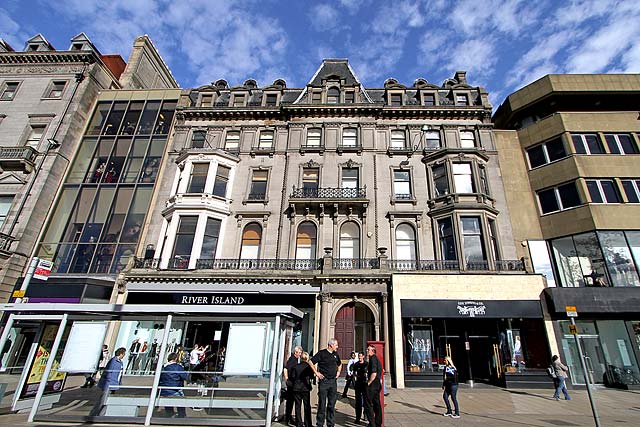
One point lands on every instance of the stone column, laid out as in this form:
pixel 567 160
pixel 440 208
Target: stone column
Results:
pixel 385 328
pixel 325 319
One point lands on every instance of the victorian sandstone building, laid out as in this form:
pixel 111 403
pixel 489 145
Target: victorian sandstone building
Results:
pixel 379 212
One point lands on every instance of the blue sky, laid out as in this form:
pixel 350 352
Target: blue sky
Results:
pixel 502 45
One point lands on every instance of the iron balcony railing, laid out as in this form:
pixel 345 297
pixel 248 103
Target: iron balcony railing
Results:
pixel 356 263
pixel 182 263
pixel 5 242
pixel 419 264
pixel 329 193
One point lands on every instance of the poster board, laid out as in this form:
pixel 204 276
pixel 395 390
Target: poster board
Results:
pixel 245 349
pixel 55 382
pixel 84 347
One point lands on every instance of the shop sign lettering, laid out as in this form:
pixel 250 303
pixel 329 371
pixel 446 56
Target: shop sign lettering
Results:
pixel 471 308
pixel 211 300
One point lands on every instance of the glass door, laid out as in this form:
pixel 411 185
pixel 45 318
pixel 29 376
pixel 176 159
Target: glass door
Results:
pixel 593 357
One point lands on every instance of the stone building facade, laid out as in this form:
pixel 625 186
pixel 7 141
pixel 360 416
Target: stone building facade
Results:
pixel 329 197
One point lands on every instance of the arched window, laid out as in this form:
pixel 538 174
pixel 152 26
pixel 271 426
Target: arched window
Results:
pixel 251 237
pixel 405 242
pixel 333 95
pixel 350 240
pixel 306 241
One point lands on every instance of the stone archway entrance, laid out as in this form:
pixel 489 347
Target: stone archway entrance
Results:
pixel 354 326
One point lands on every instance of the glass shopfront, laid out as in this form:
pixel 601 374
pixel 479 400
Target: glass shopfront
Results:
pixel 610 350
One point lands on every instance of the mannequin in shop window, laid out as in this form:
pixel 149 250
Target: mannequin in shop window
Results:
pixel 112 174
pixel 517 353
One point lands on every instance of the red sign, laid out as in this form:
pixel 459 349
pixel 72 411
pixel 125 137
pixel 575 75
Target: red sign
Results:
pixel 43 269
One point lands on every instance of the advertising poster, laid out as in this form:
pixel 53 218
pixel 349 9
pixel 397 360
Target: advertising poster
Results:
pixel 56 379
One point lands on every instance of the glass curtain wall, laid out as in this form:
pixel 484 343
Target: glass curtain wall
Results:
pixel 96 224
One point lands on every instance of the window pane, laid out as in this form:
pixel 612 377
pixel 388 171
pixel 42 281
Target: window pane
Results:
pixel 251 237
pixel 349 240
pixel 472 239
pixel 99 117
pixel 210 239
pixel 536 156
pixel 5 205
pixel 306 241
pixel 310 178
pixel 593 142
pixel 349 178
pixel 333 95
pixel 396 99
pixel 349 137
pixel 467 139
pixel 313 137
pixel 628 147
pixel 405 242
pixel 397 139
pixel 578 145
pixel 569 195
pixel 594 192
pixel 258 185
pixel 633 237
pixel 462 179
pixel 148 118
pixel 222 178
pixel 184 237
pixel 428 100
pixel 401 185
pixel 566 259
pixel 440 181
pixel 198 178
pixel 610 191
pixel 612 144
pixel 266 139
pixel 548 201
pixel 631 190
pixel 618 257
pixel 555 149
pixel 447 241
pixel 198 139
pixel 432 138
pixel 233 141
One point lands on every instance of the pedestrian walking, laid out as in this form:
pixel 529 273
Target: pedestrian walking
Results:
pixel 374 385
pixel 328 370
pixel 352 359
pixel 111 380
pixel 173 375
pixel 561 372
pixel 450 387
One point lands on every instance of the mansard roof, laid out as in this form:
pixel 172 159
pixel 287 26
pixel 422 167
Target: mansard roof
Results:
pixel 334 69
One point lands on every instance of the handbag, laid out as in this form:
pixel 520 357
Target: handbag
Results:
pixel 552 372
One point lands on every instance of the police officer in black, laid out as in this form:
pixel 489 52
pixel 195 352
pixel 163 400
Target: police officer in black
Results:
pixel 374 376
pixel 359 370
pixel 328 370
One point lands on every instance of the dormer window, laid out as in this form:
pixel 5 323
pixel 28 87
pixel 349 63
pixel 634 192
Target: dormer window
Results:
pixel 206 100
pixel 32 48
pixel 395 99
pixel 271 100
pixel 333 95
pixel 316 97
pixel 238 100
pixel 77 46
pixel 349 97
pixel 428 99
pixel 462 99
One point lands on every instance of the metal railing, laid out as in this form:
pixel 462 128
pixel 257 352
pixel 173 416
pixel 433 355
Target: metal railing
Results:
pixel 419 265
pixel 336 264
pixel 5 242
pixel 356 263
pixel 329 193
pixel 18 153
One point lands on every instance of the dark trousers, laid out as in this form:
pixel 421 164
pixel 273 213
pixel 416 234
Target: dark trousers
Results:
pixel 303 398
pixel 327 394
pixel 453 392
pixel 373 407
pixel 289 401
pixel 361 391
pixel 346 385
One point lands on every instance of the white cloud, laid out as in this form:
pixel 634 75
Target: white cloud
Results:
pixel 12 33
pixel 323 17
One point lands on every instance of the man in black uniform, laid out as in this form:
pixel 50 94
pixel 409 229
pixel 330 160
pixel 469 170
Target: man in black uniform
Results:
pixel 294 359
pixel 360 374
pixel 374 376
pixel 328 370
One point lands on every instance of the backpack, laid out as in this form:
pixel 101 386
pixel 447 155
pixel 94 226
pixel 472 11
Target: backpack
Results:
pixel 552 372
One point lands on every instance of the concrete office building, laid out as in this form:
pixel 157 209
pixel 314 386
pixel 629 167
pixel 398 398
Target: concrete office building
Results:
pixel 572 163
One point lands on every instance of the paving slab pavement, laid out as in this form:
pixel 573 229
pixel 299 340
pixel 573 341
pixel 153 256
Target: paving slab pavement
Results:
pixel 494 407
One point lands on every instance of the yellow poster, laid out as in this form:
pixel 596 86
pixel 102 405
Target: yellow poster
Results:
pixel 56 379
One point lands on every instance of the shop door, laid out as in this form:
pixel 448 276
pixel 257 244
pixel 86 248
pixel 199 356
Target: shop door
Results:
pixel 481 358
pixel 593 358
